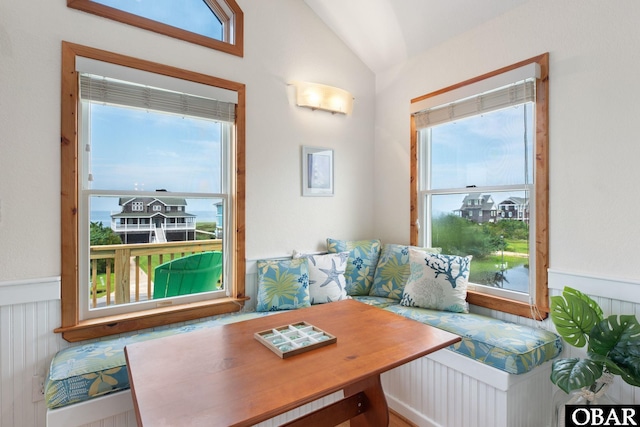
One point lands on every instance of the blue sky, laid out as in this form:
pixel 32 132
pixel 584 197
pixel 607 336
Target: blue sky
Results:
pixel 483 150
pixel 191 15
pixel 137 150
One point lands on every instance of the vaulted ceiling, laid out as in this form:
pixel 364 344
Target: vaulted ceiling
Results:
pixel 387 32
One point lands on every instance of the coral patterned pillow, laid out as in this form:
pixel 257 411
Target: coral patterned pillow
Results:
pixel 436 281
pixel 392 270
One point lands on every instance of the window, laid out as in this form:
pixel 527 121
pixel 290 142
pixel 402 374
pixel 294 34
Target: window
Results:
pixel 107 168
pixel 217 24
pixel 482 145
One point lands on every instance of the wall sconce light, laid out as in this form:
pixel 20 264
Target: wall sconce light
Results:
pixel 322 97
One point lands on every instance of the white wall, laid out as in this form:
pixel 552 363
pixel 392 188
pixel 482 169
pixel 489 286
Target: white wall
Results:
pixel 593 131
pixel 284 41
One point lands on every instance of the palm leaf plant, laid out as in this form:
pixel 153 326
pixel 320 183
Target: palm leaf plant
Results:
pixel 613 342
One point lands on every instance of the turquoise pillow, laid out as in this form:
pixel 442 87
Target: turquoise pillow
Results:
pixel 283 285
pixel 392 271
pixel 361 265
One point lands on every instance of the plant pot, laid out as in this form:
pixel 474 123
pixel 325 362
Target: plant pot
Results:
pixel 596 394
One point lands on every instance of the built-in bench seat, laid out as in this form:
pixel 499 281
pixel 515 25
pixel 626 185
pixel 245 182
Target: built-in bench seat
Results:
pixel 97 368
pixel 500 354
pixel 510 347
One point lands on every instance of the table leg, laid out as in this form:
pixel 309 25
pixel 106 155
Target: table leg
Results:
pixel 364 405
pixel 377 414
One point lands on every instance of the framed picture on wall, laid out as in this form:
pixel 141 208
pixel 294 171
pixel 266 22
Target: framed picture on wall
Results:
pixel 317 171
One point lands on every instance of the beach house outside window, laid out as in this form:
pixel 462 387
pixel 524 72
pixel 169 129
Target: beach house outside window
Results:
pixel 477 145
pixel 149 137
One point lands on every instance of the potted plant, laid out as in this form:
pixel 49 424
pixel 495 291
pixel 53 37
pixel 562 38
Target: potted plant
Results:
pixel 613 348
pixel 613 343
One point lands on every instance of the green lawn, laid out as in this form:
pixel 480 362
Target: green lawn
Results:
pixel 520 246
pixel 101 285
pixel 209 227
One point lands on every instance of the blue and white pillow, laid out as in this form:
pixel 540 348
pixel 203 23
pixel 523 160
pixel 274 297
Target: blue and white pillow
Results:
pixel 283 285
pixel 361 265
pixel 326 276
pixel 392 270
pixel 436 281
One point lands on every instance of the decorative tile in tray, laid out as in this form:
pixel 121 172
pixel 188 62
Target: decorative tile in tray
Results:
pixel 289 340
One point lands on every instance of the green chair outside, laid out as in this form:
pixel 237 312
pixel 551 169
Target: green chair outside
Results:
pixel 188 275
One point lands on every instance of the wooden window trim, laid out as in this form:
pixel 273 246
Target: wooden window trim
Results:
pixel 541 303
pixel 72 328
pixel 233 26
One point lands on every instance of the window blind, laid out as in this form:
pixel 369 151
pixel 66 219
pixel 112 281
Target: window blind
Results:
pixel 118 92
pixel 510 95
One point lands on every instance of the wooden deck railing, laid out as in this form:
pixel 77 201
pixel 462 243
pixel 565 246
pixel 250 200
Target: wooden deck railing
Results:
pixel 131 283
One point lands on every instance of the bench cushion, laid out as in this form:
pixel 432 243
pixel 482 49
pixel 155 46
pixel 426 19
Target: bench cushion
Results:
pixel 507 346
pixel 97 368
pixel 379 302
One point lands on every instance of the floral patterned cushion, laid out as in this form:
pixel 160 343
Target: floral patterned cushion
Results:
pixel 392 270
pixel 361 265
pixel 510 347
pixel 437 281
pixel 91 370
pixel 283 285
pixel 379 302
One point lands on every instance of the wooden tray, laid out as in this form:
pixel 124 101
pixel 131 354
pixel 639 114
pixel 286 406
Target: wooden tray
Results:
pixel 296 338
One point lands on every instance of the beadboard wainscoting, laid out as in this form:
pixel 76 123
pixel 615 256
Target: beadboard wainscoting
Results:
pixel 30 310
pixel 446 389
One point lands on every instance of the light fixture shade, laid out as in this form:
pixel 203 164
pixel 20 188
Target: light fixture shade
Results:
pixel 322 97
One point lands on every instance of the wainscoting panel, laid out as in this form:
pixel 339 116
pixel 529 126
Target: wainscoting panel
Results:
pixel 303 410
pixel 446 389
pixel 27 345
pixel 128 419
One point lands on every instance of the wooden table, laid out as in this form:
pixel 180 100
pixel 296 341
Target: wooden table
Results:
pixel 223 376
